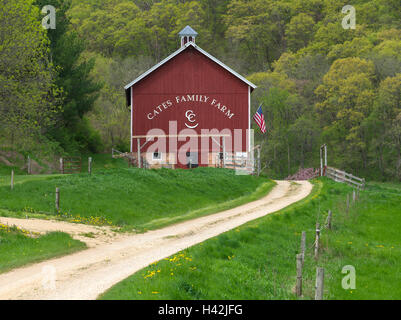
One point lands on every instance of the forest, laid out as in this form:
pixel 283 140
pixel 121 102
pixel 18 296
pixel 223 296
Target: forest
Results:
pixel 61 90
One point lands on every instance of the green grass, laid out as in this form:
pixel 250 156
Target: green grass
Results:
pixel 99 162
pixel 142 199
pixel 257 260
pixel 17 249
pixel 6 170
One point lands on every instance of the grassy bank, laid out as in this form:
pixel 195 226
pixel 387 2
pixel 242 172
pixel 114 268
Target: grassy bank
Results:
pixel 143 199
pixel 257 260
pixel 18 249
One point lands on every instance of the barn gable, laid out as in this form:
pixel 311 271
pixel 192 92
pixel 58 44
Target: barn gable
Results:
pixel 176 53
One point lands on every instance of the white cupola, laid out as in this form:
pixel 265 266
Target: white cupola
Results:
pixel 187 35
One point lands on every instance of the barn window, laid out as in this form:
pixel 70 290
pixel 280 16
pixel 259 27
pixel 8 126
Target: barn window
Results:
pixel 157 156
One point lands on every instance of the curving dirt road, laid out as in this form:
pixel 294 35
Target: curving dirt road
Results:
pixel 112 257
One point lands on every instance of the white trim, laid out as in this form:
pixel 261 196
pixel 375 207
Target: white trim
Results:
pixel 132 113
pixel 179 51
pixel 249 119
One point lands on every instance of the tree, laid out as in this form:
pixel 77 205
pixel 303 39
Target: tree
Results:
pixel 345 100
pixel 110 116
pixel 257 27
pixel 299 31
pixel 304 135
pixel 281 109
pixel 28 97
pixel 387 58
pixel 387 125
pixel 73 76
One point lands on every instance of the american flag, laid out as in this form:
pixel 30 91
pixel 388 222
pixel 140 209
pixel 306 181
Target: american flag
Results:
pixel 260 119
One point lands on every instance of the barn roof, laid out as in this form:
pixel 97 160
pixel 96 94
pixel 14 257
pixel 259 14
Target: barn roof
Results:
pixel 189 44
pixel 188 31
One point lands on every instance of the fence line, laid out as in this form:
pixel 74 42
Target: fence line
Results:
pixel 342 176
pixel 70 165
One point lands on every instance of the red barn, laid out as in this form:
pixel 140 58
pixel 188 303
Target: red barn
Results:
pixel 190 110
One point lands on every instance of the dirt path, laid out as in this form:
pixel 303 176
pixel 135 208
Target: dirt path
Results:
pixel 86 274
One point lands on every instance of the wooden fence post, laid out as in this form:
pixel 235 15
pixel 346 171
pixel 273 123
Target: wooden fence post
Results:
pixel 319 284
pixel 353 196
pixel 29 165
pixel 329 217
pixel 90 165
pixel 303 246
pixel 317 241
pixel 298 288
pixel 347 204
pixel 12 179
pixel 58 200
pixel 61 166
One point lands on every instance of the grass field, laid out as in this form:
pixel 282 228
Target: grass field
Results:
pixel 18 249
pixel 142 199
pixel 99 162
pixel 257 260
